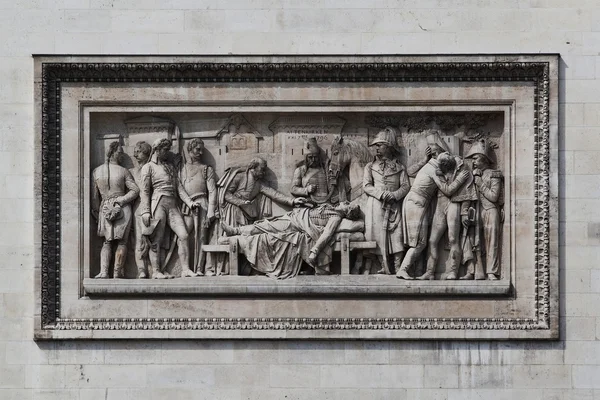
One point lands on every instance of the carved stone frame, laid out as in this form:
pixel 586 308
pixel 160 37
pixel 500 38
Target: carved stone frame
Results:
pixel 52 72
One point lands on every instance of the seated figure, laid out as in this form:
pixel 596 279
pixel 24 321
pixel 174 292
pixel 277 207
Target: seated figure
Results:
pixel 277 246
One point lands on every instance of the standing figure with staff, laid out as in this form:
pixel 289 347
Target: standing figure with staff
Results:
pixel 199 182
pixel 385 183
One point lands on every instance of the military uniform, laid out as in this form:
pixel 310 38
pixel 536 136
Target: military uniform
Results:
pixel 304 176
pixel 114 190
pixel 198 180
pixel 379 176
pixel 489 188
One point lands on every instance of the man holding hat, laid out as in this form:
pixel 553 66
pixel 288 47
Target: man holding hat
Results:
pixel 385 183
pixel 114 191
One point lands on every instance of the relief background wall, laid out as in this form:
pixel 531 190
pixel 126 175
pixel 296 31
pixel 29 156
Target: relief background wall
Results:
pixel 566 369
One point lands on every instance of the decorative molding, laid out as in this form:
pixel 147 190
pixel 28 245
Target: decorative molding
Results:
pixel 54 74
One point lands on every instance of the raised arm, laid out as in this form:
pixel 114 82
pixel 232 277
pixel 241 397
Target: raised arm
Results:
pixel 449 188
pixel 414 169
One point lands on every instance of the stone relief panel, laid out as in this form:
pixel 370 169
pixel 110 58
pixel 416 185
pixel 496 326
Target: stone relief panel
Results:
pixel 414 198
pixel 386 166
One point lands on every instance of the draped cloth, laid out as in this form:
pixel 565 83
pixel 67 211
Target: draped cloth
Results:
pixel 282 245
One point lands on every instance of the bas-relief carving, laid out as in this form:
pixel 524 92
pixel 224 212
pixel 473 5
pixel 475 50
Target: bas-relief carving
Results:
pixel 530 313
pixel 360 189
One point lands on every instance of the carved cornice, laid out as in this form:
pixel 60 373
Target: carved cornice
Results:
pixel 54 74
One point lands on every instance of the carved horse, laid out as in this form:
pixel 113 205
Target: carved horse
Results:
pixel 348 160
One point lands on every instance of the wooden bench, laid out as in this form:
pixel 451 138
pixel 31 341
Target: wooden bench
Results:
pixel 344 245
pixel 231 249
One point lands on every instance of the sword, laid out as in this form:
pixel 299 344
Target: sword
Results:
pixel 385 225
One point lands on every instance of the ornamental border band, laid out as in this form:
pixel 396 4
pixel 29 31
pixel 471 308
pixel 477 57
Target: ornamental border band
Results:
pixel 399 216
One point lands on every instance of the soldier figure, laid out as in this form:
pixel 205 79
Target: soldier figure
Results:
pixel 159 191
pixel 415 223
pixel 141 153
pixel 385 183
pixel 489 184
pixel 448 217
pixel 199 182
pixel 114 189
pixel 311 179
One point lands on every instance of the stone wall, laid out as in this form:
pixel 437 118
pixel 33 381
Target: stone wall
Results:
pixel 568 369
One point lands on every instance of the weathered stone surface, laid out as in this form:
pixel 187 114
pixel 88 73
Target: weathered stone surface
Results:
pixel 235 166
pixel 409 27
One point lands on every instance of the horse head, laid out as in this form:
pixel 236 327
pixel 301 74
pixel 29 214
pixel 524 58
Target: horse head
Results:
pixel 340 157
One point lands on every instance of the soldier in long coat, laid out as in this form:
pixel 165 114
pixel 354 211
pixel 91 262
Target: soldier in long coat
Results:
pixel 114 190
pixel 386 183
pixel 489 184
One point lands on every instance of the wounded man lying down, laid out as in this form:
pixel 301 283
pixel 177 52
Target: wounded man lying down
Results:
pixel 277 246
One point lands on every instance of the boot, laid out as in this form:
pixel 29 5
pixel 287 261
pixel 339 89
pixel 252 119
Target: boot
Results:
pixel 155 262
pixel 381 270
pixel 142 274
pixel 429 274
pixel 157 274
pixel 403 274
pixel 467 277
pixel 104 261
pixel 451 275
pixel 120 255
pixel 398 257
pixel 188 273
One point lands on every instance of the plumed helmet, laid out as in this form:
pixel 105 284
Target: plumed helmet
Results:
pixel 386 136
pixel 480 146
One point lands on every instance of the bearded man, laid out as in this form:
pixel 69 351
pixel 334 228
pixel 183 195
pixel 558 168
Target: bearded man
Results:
pixel 311 179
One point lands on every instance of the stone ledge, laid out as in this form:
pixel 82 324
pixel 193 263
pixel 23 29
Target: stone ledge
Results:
pixel 343 286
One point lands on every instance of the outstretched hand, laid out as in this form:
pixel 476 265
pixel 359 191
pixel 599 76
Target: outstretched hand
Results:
pixel 301 201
